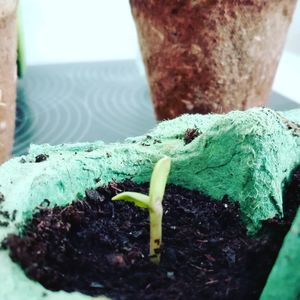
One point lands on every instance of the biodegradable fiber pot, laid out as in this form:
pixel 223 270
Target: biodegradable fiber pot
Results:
pixel 8 75
pixel 205 56
pixel 245 155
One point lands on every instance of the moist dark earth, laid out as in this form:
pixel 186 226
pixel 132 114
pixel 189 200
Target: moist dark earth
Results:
pixel 99 247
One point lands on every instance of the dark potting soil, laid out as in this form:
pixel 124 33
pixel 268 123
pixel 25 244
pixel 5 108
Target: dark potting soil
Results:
pixel 96 246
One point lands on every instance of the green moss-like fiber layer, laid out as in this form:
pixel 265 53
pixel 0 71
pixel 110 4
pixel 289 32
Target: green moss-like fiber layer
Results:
pixel 284 280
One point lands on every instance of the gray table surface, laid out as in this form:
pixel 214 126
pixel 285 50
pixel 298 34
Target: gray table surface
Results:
pixel 85 102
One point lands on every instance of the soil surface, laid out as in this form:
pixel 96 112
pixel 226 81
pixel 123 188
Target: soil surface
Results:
pixel 96 246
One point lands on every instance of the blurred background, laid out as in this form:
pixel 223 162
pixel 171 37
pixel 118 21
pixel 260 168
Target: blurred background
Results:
pixel 84 81
pixel 58 31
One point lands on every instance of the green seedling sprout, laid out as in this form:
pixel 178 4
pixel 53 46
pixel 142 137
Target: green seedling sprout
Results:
pixel 153 203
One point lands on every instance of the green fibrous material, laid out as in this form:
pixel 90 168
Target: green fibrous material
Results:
pixel 246 155
pixel 153 203
pixel 284 280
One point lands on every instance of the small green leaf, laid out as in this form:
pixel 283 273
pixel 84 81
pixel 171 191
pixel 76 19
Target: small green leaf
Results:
pixel 154 204
pixel 159 179
pixel 138 199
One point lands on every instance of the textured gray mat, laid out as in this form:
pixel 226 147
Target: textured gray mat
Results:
pixel 85 102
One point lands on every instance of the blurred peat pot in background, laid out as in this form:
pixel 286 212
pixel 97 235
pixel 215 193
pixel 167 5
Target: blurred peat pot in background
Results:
pixel 205 56
pixel 8 75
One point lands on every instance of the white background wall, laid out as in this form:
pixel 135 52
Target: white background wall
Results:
pixel 59 31
pixel 78 30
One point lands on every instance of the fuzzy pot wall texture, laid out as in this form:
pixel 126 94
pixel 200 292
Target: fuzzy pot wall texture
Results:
pixel 206 56
pixel 8 75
